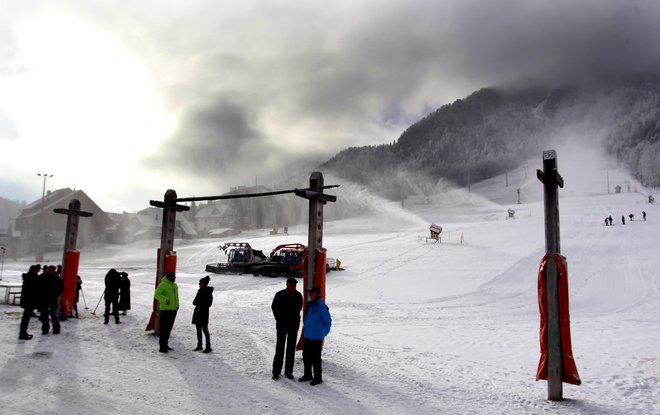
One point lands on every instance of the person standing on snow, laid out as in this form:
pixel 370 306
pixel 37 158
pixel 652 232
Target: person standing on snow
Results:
pixel 202 302
pixel 286 307
pixel 111 295
pixel 51 287
pixel 317 323
pixel 124 294
pixel 167 295
pixel 29 295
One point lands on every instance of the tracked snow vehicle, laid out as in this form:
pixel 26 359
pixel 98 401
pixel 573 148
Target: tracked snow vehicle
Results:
pixel 285 261
pixel 241 259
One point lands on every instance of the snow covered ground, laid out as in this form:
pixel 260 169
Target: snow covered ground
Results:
pixel 419 328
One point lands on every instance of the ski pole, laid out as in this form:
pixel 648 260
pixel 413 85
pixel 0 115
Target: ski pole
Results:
pixel 97 304
pixel 84 301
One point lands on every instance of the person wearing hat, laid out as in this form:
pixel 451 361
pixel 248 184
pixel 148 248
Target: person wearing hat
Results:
pixel 111 295
pixel 202 303
pixel 167 294
pixel 317 323
pixel 286 307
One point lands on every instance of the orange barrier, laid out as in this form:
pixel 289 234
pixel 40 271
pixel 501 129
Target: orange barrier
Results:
pixel 319 281
pixel 70 279
pixel 569 370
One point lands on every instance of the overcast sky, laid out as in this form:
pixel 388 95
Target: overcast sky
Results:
pixel 125 99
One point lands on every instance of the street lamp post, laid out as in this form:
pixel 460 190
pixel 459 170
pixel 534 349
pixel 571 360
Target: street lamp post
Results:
pixel 40 243
pixel 2 261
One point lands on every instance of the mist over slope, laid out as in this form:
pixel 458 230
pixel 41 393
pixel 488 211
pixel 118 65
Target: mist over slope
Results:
pixel 494 130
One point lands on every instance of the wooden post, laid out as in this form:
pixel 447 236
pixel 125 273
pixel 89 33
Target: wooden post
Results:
pixel 71 237
pixel 551 180
pixel 315 230
pixel 170 208
pixel 316 199
pixel 73 214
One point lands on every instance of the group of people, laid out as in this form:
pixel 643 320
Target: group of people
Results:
pixel 609 221
pixel 286 307
pixel 317 321
pixel 167 294
pixel 117 295
pixel 41 291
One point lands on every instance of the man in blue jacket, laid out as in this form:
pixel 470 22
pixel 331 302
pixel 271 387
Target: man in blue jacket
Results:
pixel 317 323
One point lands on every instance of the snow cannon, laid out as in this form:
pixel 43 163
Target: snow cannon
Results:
pixel 435 230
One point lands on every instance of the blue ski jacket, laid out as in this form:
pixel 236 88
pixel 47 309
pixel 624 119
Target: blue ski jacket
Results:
pixel 317 321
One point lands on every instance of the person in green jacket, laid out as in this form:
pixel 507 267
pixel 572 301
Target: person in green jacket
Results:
pixel 167 295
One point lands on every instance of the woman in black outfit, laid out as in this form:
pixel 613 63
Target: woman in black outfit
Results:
pixel 202 303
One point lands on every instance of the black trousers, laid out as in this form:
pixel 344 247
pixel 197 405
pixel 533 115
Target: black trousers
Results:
pixel 205 330
pixel 312 358
pixel 166 322
pixel 50 311
pixel 115 309
pixel 288 336
pixel 25 321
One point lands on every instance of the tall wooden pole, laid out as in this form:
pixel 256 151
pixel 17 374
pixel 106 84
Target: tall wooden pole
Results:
pixel 170 208
pixel 73 214
pixel 315 232
pixel 551 180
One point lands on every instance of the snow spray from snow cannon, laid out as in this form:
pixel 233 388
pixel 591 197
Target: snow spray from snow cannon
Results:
pixel 70 280
pixel 556 363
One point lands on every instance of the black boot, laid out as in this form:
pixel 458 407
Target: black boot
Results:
pixel 198 348
pixel 208 349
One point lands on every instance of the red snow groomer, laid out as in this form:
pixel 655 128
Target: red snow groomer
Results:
pixel 435 230
pixel 284 261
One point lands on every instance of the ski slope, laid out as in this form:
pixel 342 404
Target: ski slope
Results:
pixel 418 328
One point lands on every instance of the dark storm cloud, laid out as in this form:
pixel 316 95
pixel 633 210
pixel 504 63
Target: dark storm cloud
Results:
pixel 211 136
pixel 559 41
pixel 290 78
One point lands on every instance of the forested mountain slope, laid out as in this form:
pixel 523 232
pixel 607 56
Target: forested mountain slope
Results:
pixel 494 129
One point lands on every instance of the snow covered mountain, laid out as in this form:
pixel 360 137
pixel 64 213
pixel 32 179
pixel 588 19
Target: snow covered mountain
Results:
pixel 491 131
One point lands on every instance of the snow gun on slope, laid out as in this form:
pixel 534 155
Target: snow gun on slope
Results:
pixel 435 230
pixel 241 259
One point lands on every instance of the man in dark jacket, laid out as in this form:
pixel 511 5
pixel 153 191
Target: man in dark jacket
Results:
pixel 29 295
pixel 51 287
pixel 111 295
pixel 286 307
